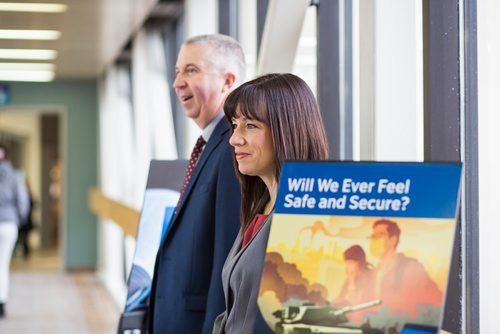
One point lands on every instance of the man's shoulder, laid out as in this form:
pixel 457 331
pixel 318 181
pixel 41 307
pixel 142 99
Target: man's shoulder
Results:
pixel 219 135
pixel 222 134
pixel 402 259
pixel 405 269
pixel 409 264
pixel 223 127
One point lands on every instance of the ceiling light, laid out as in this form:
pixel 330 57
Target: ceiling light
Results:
pixel 27 66
pixel 39 54
pixel 38 76
pixel 32 7
pixel 29 34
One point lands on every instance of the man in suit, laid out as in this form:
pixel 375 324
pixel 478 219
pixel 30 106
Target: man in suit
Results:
pixel 187 290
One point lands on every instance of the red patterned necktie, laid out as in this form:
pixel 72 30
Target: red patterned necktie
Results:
pixel 193 160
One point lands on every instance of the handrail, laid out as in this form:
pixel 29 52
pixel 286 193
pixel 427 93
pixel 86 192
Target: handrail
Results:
pixel 125 217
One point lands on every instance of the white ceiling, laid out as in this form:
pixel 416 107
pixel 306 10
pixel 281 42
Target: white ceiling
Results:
pixel 94 32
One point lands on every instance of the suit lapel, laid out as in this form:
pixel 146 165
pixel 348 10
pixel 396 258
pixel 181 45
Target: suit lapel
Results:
pixel 214 141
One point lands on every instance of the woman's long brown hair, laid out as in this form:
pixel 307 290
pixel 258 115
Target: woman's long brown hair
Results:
pixel 287 105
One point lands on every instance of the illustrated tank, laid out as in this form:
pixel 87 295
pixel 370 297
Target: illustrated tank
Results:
pixel 314 319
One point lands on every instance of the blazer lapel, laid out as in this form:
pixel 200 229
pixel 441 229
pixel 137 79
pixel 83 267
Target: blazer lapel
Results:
pixel 266 221
pixel 237 251
pixel 230 262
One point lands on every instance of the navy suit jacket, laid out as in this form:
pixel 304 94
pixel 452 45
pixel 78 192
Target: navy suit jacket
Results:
pixel 187 290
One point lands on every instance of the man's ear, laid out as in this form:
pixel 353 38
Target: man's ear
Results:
pixel 229 80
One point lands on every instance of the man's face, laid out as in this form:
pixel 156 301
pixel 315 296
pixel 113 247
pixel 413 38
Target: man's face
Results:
pixel 380 241
pixel 200 87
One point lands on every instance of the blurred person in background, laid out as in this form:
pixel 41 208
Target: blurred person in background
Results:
pixel 25 227
pixel 14 207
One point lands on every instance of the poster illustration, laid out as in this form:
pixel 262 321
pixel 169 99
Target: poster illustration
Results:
pixel 360 247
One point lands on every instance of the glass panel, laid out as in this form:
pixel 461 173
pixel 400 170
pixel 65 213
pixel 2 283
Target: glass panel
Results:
pixel 305 60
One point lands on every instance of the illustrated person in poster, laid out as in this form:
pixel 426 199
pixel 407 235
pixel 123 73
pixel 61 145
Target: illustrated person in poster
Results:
pixel 358 286
pixel 187 291
pixel 275 118
pixel 401 282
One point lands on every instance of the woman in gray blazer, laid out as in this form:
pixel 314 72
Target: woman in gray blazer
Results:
pixel 275 118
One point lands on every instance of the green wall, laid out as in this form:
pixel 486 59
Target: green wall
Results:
pixel 79 100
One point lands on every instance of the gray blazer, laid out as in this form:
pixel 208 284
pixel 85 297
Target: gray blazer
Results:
pixel 241 280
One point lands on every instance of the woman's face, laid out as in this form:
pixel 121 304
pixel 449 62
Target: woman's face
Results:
pixel 253 147
pixel 352 269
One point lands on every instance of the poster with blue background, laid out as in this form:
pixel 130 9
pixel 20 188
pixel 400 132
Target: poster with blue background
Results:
pixel 160 199
pixel 358 247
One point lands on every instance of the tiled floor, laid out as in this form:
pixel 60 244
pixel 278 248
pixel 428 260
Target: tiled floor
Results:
pixel 44 299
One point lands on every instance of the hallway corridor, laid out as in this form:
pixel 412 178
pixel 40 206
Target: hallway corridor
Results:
pixel 44 299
